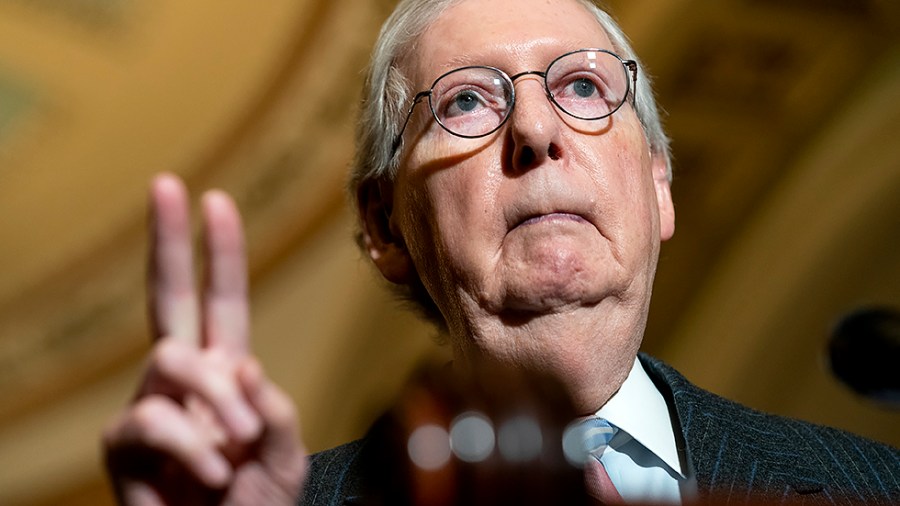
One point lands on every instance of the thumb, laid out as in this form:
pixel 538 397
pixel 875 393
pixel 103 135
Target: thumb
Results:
pixel 279 449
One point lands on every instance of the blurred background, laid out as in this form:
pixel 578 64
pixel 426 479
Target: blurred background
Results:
pixel 785 119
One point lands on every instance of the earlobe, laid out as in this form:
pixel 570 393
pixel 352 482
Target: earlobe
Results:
pixel 663 197
pixel 384 245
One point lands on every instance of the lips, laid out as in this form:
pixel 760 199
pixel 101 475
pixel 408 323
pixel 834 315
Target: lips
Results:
pixel 556 215
pixel 551 199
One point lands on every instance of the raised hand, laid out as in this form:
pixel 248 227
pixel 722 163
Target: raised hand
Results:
pixel 206 425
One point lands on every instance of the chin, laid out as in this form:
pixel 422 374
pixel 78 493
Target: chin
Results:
pixel 552 301
pixel 554 294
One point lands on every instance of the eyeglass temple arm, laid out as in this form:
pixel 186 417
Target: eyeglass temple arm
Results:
pixel 399 139
pixel 632 66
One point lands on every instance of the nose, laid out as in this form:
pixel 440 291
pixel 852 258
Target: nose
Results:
pixel 534 126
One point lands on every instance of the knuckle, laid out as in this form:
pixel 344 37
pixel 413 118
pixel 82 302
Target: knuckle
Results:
pixel 157 422
pixel 150 412
pixel 219 358
pixel 167 354
pixel 139 424
pixel 218 388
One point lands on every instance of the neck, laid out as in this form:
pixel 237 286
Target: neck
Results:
pixel 589 349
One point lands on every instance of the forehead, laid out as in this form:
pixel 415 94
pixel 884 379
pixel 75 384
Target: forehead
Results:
pixel 514 35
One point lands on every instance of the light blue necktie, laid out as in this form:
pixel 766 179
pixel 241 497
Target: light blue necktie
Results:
pixel 587 438
pixel 583 443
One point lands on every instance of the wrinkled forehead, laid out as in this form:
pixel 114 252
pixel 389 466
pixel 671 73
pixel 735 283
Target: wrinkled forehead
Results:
pixel 513 35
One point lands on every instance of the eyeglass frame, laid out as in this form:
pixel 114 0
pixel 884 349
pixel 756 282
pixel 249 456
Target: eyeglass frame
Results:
pixel 628 65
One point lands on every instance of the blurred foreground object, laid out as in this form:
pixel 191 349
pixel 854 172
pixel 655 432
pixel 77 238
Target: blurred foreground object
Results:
pixel 490 437
pixel 864 353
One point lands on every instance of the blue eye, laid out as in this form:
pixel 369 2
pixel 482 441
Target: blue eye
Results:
pixel 584 88
pixel 466 101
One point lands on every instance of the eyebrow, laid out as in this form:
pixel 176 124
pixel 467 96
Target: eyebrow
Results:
pixel 482 59
pixel 462 61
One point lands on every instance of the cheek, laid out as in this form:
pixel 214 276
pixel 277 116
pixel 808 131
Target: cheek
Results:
pixel 627 196
pixel 462 188
pixel 430 215
pixel 461 206
pixel 634 176
pixel 411 214
pixel 620 169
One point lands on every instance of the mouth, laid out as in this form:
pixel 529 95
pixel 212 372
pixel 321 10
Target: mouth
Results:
pixel 559 215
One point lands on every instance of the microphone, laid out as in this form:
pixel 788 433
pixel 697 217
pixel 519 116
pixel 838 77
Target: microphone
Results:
pixel 864 354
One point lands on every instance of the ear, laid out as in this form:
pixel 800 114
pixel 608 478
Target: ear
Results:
pixel 663 197
pixel 385 246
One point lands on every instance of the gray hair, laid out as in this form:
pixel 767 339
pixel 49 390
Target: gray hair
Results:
pixel 387 95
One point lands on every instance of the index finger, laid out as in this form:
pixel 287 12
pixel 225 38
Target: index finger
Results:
pixel 172 296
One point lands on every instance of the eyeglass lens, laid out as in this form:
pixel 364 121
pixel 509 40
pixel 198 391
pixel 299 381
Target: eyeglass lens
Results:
pixel 475 101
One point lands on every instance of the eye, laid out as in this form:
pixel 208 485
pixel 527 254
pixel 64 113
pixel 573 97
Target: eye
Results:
pixel 466 101
pixel 587 84
pixel 471 101
pixel 583 87
pixel 580 86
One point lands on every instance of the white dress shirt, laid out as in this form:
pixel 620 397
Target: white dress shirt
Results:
pixel 643 460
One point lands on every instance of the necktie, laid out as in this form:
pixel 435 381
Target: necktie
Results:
pixel 584 442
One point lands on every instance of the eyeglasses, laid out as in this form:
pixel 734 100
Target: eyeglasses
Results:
pixel 475 101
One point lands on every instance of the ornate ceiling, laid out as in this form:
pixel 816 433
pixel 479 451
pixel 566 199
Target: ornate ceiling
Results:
pixel 784 117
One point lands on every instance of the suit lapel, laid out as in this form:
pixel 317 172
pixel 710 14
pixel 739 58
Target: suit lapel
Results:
pixel 733 451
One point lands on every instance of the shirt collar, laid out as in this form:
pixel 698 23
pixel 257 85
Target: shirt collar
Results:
pixel 640 410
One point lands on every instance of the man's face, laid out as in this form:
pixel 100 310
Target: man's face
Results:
pixel 547 215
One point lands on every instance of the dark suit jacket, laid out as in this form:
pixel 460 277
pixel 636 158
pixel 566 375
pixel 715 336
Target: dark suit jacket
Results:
pixel 733 451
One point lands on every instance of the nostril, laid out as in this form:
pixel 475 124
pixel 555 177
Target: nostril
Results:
pixel 554 152
pixel 526 157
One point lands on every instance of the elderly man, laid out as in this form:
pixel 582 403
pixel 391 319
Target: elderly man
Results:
pixel 513 177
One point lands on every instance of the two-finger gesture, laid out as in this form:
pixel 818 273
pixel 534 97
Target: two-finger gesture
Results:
pixel 206 425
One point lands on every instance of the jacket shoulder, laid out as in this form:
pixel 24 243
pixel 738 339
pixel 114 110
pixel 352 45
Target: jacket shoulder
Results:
pixel 334 476
pixel 736 448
